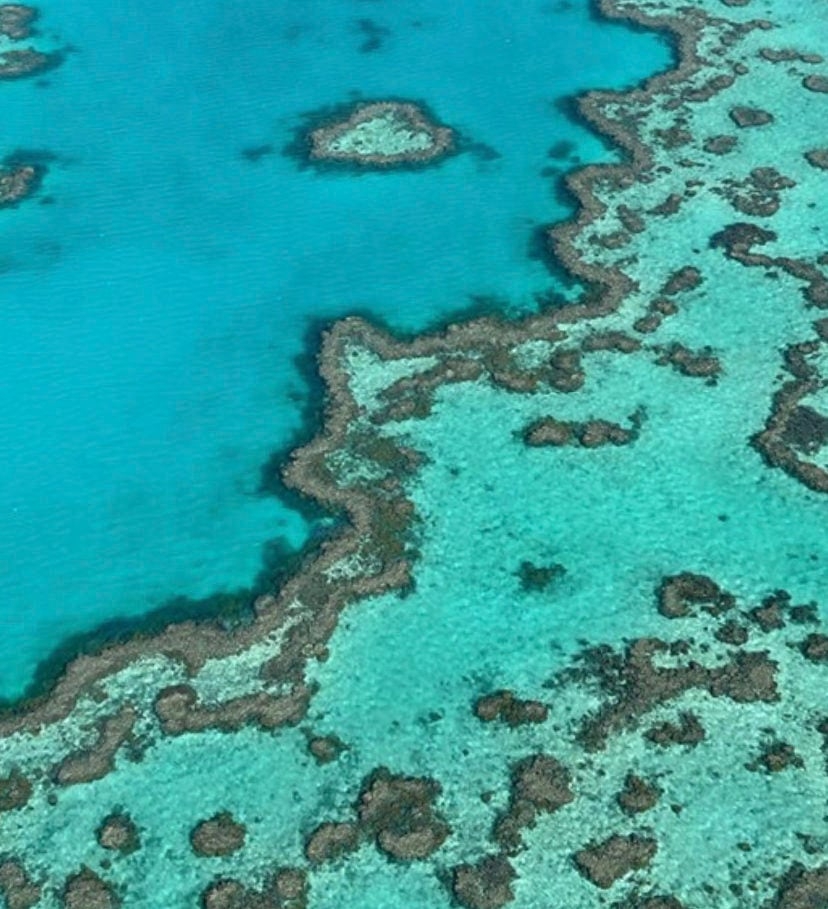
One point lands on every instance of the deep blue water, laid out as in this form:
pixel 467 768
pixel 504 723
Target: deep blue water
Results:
pixel 153 311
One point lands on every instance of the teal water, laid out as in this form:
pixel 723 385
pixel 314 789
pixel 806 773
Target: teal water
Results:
pixel 154 312
pixel 688 494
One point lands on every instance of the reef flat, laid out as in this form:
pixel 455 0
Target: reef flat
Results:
pixel 571 647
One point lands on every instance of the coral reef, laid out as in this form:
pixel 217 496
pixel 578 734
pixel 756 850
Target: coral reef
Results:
pixel 503 705
pixel 118 833
pixel 637 795
pixel 485 885
pixel 86 890
pixel 16 887
pixel 17 182
pixel 395 811
pixel 218 835
pixel 286 889
pixel 20 61
pixel 604 863
pixel 16 20
pixel 381 134
pixel 540 784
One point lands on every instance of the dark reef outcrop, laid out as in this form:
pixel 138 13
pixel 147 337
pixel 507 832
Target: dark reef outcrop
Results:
pixel 638 795
pixel 286 889
pixel 16 887
pixel 396 812
pixel 484 885
pixel 16 20
pixel 86 890
pixel 539 784
pixel 15 791
pixel 221 834
pixel 504 706
pixel 605 863
pixel 17 182
pixel 117 832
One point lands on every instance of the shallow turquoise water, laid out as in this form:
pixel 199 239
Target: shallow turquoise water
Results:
pixel 153 313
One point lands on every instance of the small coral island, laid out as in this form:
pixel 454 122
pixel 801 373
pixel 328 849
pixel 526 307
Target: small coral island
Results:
pixel 15 62
pixel 381 134
pixel 18 181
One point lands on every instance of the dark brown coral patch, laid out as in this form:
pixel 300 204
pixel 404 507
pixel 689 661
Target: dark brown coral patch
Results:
pixel 86 890
pixel 815 648
pixel 15 791
pixel 287 889
pixel 663 306
pixel 802 888
pixel 776 756
pixel 118 832
pixel 18 182
pixel 688 731
pixel 635 685
pixel 331 841
pixel 673 136
pixel 816 83
pixel 817 157
pixel 596 433
pixel 485 885
pixel 218 835
pixel 564 370
pixel 230 894
pixel 745 117
pixel 178 709
pixel 504 706
pixel 604 863
pixel 770 180
pixel 650 902
pixel 720 145
pixel 540 784
pixel 325 748
pixel 758 195
pixel 98 759
pixel 806 430
pixel 667 207
pixel 16 20
pixel 291 885
pixel 632 220
pixel 638 795
pixel 19 63
pixel 788 55
pixel 686 278
pixel 534 578
pixel 682 594
pixel 16 887
pixel 398 812
pixel 647 324
pixel 698 364
pixel 739 238
pixel 548 431
pixel 770 616
pixel 731 632
pixel 610 340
